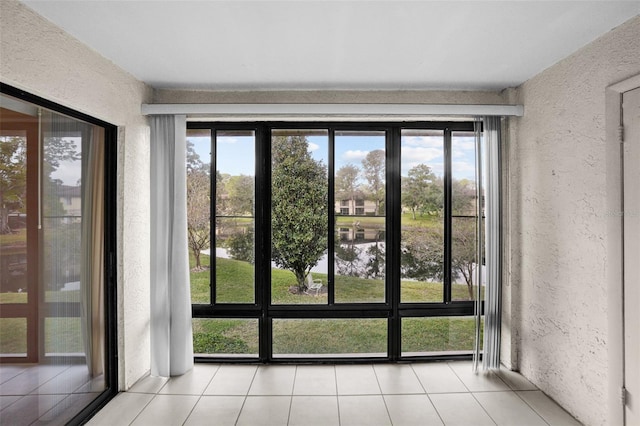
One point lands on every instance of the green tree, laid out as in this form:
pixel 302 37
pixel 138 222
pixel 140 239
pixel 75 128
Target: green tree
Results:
pixel 299 207
pixel 240 191
pixel 375 267
pixel 198 205
pixel 463 197
pixel 422 191
pixel 347 182
pixel 241 245
pixel 463 253
pixel 422 253
pixel 13 178
pixel 374 172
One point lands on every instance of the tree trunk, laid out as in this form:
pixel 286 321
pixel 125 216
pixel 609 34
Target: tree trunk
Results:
pixel 4 221
pixel 196 254
pixel 469 279
pixel 300 277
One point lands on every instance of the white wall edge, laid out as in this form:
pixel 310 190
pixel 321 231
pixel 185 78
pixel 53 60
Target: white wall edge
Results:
pixel 331 110
pixel 614 248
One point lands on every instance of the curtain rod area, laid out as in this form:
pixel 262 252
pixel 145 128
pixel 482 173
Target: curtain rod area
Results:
pixel 332 110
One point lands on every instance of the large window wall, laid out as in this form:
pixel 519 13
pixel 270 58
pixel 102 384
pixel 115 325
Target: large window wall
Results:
pixel 332 240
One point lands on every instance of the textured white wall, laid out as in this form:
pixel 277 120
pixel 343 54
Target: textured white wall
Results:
pixel 38 57
pixel 558 224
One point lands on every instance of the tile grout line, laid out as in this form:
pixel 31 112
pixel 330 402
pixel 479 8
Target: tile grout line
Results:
pixel 472 395
pixel 293 386
pixel 458 377
pixel 335 375
pixel 59 402
pixel 384 401
pixel 201 395
pixel 246 395
pixel 428 396
pixel 530 406
pixel 144 408
pixel 510 389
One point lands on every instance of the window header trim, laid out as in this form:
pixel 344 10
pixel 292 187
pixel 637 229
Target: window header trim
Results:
pixel 331 111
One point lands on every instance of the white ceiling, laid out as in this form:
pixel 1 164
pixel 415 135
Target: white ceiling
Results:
pixel 300 44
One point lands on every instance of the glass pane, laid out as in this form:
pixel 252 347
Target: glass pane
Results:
pixel 422 222
pixel 63 336
pixel 463 259
pixel 72 238
pixel 63 141
pixel 464 216
pixel 299 216
pixel 329 338
pixel 359 262
pixel 13 215
pixel 199 213
pixel 225 337
pixel 437 335
pixel 53 165
pixel 235 200
pixel 13 337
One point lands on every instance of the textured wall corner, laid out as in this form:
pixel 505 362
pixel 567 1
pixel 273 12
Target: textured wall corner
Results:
pixel 558 223
pixel 38 57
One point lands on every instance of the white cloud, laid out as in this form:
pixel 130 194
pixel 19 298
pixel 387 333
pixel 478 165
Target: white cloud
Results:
pixel 226 139
pixel 69 172
pixel 423 141
pixel 354 155
pixel 463 148
pixel 463 170
pixel 419 155
pixel 313 147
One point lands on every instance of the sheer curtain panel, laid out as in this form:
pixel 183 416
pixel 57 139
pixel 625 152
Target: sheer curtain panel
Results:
pixel 92 263
pixel 171 334
pixel 493 285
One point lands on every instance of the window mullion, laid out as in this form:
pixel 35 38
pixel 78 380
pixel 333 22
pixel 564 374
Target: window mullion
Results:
pixel 393 231
pixel 331 292
pixel 263 233
pixel 447 215
pixel 214 215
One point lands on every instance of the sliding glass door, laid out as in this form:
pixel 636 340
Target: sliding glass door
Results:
pixel 56 236
pixel 333 241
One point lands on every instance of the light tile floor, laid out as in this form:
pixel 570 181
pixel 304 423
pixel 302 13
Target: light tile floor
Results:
pixel 45 394
pixel 422 394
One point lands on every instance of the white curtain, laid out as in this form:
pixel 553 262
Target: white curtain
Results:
pixel 477 350
pixel 171 334
pixel 92 249
pixel 493 244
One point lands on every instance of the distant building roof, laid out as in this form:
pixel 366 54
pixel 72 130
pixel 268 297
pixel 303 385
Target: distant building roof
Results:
pixel 69 191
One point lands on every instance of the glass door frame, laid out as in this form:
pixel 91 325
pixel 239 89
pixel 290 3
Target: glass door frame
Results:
pixel 110 250
pixel 392 308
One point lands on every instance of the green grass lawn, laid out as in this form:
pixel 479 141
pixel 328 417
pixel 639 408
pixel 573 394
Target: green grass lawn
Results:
pixel 240 336
pixel 322 336
pixel 61 335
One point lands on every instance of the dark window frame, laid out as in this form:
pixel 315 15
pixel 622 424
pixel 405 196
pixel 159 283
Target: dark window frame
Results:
pixel 110 244
pixel 392 309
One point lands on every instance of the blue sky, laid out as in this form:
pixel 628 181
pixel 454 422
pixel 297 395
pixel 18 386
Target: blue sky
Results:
pixel 236 154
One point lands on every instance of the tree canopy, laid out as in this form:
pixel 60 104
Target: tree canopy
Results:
pixel 13 178
pixel 422 191
pixel 374 173
pixel 299 195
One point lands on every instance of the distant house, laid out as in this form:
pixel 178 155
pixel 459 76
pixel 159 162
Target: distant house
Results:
pixel 356 206
pixel 71 199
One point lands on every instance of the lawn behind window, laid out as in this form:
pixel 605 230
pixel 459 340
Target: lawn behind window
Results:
pixel 322 337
